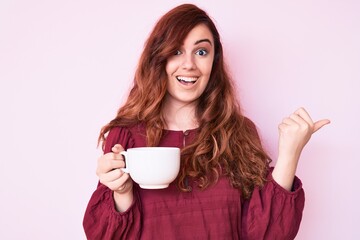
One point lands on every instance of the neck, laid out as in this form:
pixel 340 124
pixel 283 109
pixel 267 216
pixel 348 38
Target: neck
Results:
pixel 180 116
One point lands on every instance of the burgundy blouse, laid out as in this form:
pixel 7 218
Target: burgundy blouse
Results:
pixel 215 213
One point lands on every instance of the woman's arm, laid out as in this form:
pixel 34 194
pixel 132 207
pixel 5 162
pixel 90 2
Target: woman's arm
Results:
pixel 114 210
pixel 294 133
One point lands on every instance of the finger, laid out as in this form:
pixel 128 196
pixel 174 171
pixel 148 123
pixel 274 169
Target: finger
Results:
pixel 289 121
pixel 304 115
pixel 298 119
pixel 319 124
pixel 111 176
pixel 117 148
pixel 106 165
pixel 113 156
pixel 118 183
pixel 302 123
pixel 282 126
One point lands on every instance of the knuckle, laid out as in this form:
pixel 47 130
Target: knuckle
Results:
pixel 103 165
pixel 120 147
pixel 102 161
pixel 114 164
pixel 118 173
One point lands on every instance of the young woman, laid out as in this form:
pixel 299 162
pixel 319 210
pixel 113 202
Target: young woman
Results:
pixel 183 97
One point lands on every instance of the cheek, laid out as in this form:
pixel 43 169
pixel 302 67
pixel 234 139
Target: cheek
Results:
pixel 206 71
pixel 171 67
pixel 206 66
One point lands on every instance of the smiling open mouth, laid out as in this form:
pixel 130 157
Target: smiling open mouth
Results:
pixel 187 80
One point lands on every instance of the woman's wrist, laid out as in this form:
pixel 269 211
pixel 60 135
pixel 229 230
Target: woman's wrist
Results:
pixel 123 198
pixel 285 169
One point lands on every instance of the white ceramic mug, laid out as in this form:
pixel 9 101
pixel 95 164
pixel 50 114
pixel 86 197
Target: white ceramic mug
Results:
pixel 152 167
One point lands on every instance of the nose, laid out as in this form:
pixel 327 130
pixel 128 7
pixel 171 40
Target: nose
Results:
pixel 188 62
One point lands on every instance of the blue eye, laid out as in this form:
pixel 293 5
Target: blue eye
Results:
pixel 202 52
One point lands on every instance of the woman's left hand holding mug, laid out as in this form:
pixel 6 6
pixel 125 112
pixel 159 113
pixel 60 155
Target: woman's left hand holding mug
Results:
pixel 110 174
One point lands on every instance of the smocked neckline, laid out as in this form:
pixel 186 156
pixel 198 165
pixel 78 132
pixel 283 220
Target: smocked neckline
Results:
pixel 181 131
pixel 143 125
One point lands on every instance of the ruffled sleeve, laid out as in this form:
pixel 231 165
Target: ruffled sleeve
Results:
pixel 272 212
pixel 101 220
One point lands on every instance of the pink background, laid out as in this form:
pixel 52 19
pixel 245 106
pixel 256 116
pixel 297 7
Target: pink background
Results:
pixel 65 67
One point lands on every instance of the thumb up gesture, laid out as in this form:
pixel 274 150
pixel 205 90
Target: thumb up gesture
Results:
pixel 296 130
pixel 294 133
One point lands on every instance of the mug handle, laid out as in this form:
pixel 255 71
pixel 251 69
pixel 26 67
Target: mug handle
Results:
pixel 125 170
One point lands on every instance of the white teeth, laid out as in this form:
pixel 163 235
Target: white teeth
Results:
pixel 187 79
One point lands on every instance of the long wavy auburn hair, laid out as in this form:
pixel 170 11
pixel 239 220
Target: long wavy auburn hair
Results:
pixel 227 142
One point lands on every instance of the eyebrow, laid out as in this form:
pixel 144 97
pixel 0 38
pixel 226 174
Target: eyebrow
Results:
pixel 203 40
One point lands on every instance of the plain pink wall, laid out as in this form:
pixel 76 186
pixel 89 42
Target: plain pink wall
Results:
pixel 65 66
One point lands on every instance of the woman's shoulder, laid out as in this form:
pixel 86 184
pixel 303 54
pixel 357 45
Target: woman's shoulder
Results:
pixel 131 129
pixel 124 135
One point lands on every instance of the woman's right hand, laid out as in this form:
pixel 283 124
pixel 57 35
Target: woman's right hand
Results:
pixel 110 174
